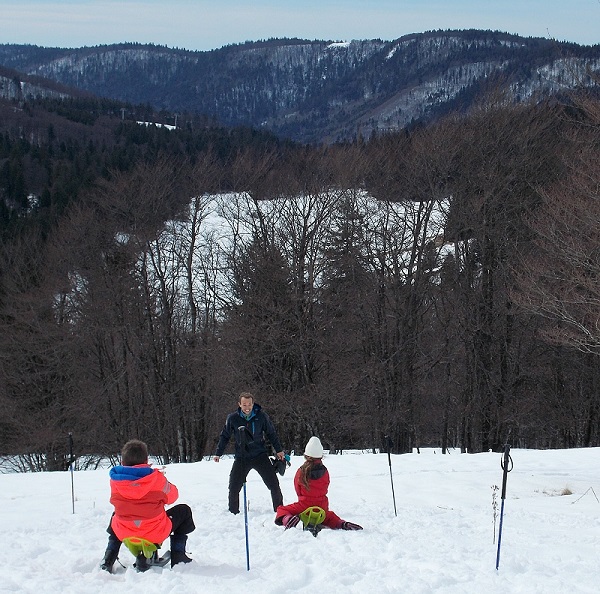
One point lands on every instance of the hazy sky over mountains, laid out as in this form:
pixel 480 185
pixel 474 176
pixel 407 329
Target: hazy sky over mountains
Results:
pixel 210 24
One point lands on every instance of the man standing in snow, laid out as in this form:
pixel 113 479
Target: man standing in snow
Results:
pixel 249 425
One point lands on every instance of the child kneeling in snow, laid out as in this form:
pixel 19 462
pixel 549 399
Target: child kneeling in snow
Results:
pixel 311 483
pixel 139 494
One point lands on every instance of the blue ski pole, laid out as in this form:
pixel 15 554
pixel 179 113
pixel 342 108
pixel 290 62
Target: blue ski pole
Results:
pixel 242 434
pixel 246 525
pixel 507 466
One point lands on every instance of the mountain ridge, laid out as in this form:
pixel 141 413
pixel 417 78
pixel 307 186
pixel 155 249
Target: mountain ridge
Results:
pixel 314 90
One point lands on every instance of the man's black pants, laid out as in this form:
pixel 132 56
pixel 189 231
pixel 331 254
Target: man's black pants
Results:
pixel 239 471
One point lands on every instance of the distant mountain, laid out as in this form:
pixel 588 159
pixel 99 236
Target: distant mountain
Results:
pixel 315 91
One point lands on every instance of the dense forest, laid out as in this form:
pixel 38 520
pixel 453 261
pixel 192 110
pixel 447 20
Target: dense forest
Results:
pixel 438 286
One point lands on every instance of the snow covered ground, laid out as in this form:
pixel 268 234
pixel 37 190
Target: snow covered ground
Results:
pixel 442 539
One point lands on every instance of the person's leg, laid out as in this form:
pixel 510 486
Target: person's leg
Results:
pixel 263 466
pixel 293 509
pixel 181 518
pixel 237 477
pixel 183 524
pixel 112 549
pixel 332 520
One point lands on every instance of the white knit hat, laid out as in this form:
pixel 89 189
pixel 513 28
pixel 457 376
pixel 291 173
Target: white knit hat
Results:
pixel 313 448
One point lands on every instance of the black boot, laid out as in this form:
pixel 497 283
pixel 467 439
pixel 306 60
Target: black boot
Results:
pixel 178 549
pixel 110 556
pixel 141 563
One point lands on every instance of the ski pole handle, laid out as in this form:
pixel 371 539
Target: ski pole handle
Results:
pixel 506 463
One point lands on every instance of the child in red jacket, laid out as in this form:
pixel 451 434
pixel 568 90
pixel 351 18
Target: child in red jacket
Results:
pixel 311 483
pixel 139 494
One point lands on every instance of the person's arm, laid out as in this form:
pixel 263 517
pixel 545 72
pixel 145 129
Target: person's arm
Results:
pixel 172 493
pixel 223 440
pixel 169 489
pixel 273 437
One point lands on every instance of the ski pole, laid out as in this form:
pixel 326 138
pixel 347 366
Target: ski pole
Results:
pixel 242 433
pixel 389 447
pixel 71 465
pixel 246 526
pixel 507 465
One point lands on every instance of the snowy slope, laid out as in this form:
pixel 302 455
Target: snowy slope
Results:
pixel 442 539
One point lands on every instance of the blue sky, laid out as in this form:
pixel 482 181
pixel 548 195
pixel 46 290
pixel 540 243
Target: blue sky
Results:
pixel 204 25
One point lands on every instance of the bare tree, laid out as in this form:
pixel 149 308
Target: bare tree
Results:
pixel 410 179
pixel 41 390
pixel 559 277
pixel 504 157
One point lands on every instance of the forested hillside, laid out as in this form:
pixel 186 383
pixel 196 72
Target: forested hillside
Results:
pixel 53 149
pixel 315 90
pixel 437 285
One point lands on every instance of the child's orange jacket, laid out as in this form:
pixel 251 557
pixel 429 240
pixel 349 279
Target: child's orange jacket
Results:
pixel 139 495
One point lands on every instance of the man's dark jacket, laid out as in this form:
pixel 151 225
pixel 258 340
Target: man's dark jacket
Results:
pixel 249 442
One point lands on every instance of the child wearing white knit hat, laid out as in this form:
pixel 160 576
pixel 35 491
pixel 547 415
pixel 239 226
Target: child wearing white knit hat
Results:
pixel 312 483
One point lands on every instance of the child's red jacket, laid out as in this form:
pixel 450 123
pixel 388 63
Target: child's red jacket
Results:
pixel 316 495
pixel 139 495
pixel 319 485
